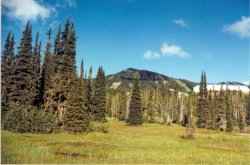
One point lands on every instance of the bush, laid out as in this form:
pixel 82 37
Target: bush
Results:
pixel 98 127
pixel 22 119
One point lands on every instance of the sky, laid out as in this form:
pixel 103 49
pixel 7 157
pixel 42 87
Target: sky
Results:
pixel 173 37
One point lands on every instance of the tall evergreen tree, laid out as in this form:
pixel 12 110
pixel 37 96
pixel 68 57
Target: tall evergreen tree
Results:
pixel 69 52
pixel 203 109
pixel 135 116
pixel 8 59
pixel 37 71
pixel 24 83
pixel 211 105
pixel 76 118
pixel 229 113
pixel 48 68
pixel 248 110
pixel 220 110
pixel 99 99
pixel 89 92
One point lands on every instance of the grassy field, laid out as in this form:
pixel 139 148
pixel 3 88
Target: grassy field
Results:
pixel 150 143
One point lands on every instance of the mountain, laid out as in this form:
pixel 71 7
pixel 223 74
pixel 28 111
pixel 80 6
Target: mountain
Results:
pixel 148 79
pixel 232 83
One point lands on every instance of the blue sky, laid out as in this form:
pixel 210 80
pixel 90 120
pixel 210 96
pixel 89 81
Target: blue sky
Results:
pixel 179 38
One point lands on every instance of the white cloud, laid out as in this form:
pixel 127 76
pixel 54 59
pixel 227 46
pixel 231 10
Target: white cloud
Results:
pixel 151 55
pixel 26 9
pixel 166 50
pixel 180 22
pixel 173 50
pixel 240 28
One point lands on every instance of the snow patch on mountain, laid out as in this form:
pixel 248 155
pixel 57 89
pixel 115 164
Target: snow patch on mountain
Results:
pixel 218 87
pixel 183 85
pixel 115 85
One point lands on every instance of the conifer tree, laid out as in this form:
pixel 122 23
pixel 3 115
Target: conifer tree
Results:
pixel 229 127
pixel 89 92
pixel 99 99
pixel 76 118
pixel 203 109
pixel 24 83
pixel 48 68
pixel 58 51
pixel 67 54
pixel 37 71
pixel 7 77
pixel 211 105
pixel 150 107
pixel 220 111
pixel 8 62
pixel 248 110
pixel 135 116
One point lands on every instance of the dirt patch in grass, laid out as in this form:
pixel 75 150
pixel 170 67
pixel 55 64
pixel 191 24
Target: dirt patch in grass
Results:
pixel 71 154
pixel 73 144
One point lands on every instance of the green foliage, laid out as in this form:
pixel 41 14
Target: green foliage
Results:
pixel 99 99
pixel 229 113
pixel 76 118
pixel 23 118
pixel 89 92
pixel 7 68
pixel 221 111
pixel 203 109
pixel 248 110
pixel 23 91
pixel 37 72
pixel 135 116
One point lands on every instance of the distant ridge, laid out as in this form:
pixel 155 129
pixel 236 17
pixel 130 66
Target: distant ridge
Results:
pixel 148 79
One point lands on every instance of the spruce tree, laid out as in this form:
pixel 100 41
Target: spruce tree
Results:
pixel 89 92
pixel 99 98
pixel 76 118
pixel 229 115
pixel 8 59
pixel 248 110
pixel 48 70
pixel 24 82
pixel 220 111
pixel 203 109
pixel 69 41
pixel 37 71
pixel 135 116
pixel 150 107
pixel 7 76
pixel 211 105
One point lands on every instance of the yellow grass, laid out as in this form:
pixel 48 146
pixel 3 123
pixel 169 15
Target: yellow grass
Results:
pixel 150 143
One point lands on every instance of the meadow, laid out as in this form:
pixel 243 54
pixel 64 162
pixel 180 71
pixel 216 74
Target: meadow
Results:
pixel 149 143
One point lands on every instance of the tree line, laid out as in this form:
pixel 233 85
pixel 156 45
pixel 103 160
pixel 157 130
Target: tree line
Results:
pixel 42 92
pixel 223 110
pixel 45 93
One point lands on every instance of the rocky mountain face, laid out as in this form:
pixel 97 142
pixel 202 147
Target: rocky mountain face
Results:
pixel 148 79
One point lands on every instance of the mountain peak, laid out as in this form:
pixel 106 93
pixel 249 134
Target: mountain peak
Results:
pixel 148 79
